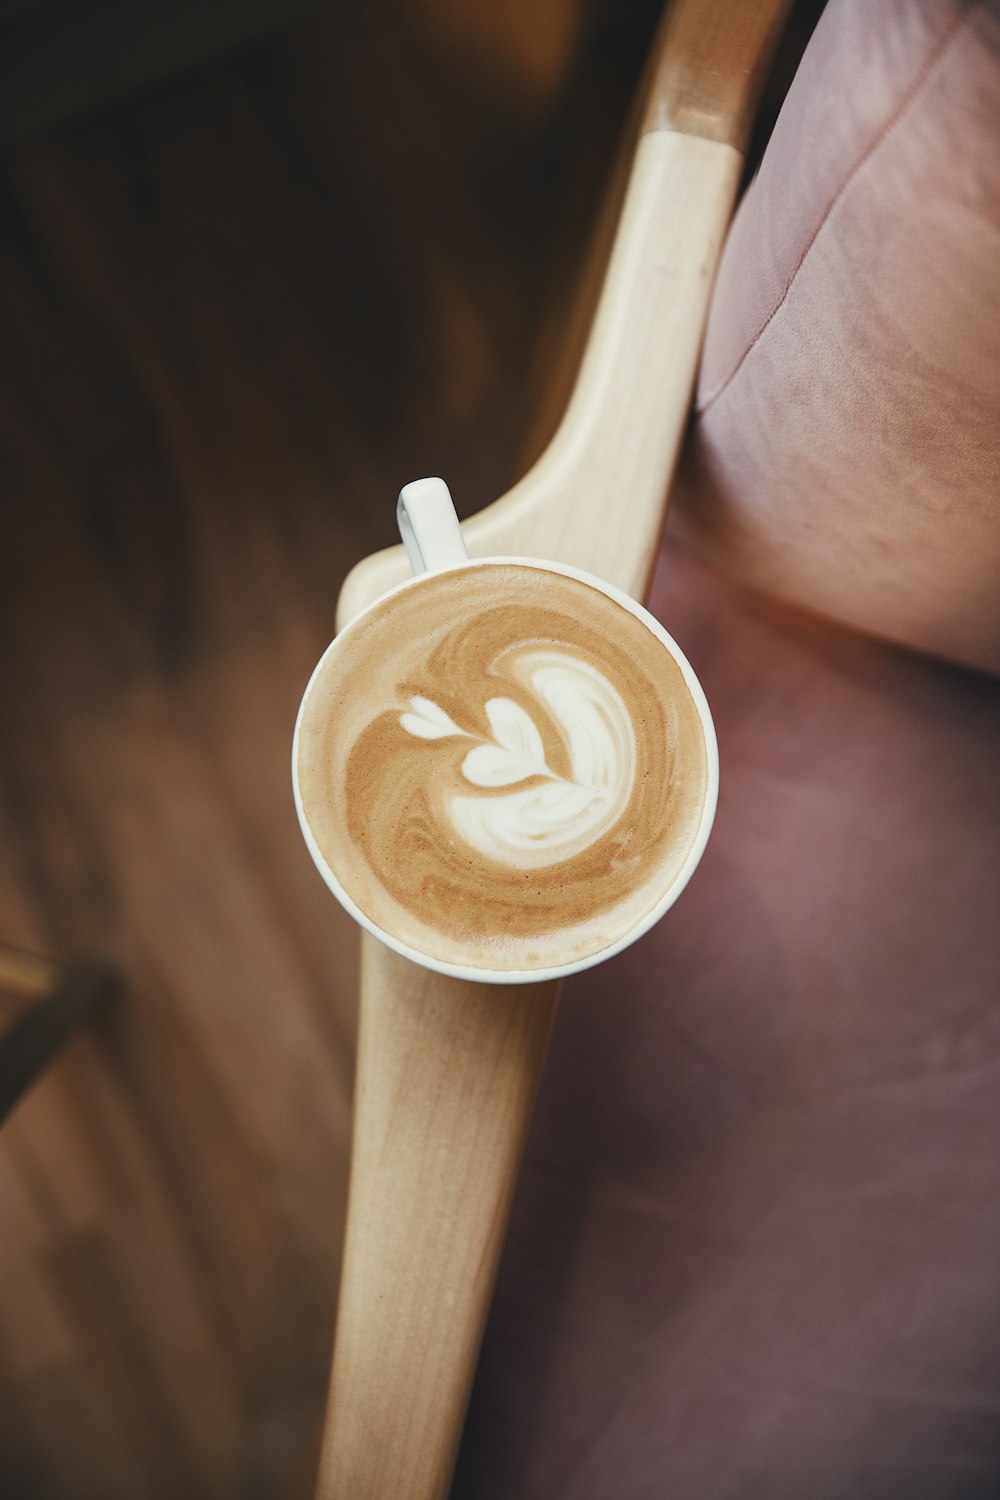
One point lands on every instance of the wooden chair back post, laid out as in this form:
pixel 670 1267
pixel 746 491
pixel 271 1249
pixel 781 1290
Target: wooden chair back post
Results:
pixel 447 1070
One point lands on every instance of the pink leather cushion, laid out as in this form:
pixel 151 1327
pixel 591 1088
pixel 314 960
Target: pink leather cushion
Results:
pixel 755 1253
pixel 846 452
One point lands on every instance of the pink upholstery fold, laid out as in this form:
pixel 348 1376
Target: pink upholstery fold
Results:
pixel 846 453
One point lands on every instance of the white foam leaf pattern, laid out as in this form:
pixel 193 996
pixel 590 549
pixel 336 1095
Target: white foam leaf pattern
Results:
pixel 493 765
pixel 429 721
pixel 554 818
pixel 516 730
pixel 518 753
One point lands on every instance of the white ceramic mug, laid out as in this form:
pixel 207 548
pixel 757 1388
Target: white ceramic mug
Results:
pixel 433 540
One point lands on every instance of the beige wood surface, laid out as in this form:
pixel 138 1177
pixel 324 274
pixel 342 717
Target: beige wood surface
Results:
pixel 446 1079
pixel 447 1071
pixel 596 497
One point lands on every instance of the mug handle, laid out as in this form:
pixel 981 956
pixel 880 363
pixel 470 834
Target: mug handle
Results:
pixel 429 526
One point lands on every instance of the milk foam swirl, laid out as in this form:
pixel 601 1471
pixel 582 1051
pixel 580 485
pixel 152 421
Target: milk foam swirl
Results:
pixel 555 817
pixel 505 769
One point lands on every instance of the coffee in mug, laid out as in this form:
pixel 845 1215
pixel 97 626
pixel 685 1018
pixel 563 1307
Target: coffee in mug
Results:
pixel 505 768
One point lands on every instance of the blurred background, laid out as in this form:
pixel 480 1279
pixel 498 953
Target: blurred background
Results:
pixel 260 264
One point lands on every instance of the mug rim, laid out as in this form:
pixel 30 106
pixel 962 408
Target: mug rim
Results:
pixel 543 973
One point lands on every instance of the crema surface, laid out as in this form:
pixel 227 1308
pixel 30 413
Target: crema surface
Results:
pixel 503 767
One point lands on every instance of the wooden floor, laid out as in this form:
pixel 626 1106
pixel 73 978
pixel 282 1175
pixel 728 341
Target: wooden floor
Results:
pixel 237 310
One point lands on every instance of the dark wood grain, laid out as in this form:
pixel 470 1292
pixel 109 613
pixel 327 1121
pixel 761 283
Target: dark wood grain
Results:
pixel 36 1036
pixel 237 311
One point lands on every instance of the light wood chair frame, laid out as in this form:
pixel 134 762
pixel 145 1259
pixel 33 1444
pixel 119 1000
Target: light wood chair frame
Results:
pixel 447 1070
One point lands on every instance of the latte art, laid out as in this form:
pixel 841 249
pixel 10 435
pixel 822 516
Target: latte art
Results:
pixel 506 770
pixel 554 817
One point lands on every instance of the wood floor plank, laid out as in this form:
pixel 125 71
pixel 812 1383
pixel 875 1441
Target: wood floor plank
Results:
pixel 237 311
